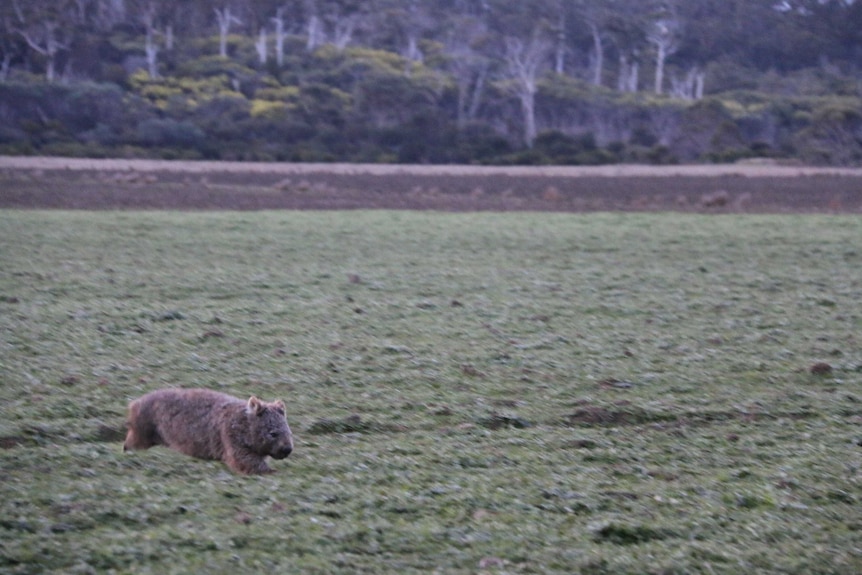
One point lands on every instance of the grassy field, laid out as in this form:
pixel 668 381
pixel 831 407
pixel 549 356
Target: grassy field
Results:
pixel 500 393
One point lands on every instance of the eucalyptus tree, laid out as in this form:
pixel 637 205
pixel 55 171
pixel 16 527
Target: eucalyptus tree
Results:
pixel 226 16
pixel 46 26
pixel 664 34
pixel 469 60
pixel 525 60
pixel 11 43
pixel 626 31
pixel 279 19
pixel 262 16
pixel 334 22
pixel 598 16
pixel 153 15
pixel 824 30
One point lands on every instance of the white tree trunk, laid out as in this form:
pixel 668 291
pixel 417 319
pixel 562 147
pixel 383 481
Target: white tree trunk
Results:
pixel 663 36
pixel 469 67
pixel 49 46
pixel 152 52
pixel 627 81
pixel 524 64
pixel 689 88
pixel 413 53
pixel 623 73
pixel 633 77
pixel 463 95
pixel 4 66
pixel 560 53
pixel 478 90
pixel 661 56
pixel 50 74
pixel 225 20
pixel 316 37
pixel 279 36
pixel 599 54
pixel 469 70
pixel 528 107
pixel 260 46
pixel 343 32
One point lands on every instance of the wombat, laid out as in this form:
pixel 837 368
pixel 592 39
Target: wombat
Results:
pixel 211 425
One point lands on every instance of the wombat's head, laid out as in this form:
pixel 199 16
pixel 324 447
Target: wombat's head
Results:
pixel 269 432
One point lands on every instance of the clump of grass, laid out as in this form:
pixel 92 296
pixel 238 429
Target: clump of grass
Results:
pixel 624 534
pixel 502 421
pixel 350 424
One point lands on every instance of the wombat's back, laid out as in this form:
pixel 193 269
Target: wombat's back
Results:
pixel 188 420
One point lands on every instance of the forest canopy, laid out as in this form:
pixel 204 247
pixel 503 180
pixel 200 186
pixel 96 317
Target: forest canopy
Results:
pixel 434 81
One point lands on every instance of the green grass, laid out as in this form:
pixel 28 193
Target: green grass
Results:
pixel 519 393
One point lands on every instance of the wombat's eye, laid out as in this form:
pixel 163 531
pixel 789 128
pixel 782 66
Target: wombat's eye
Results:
pixel 273 434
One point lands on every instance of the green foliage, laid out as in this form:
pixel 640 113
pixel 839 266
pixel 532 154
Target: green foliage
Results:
pixel 267 109
pixel 479 144
pixel 729 75
pixel 378 61
pixel 834 134
pixel 182 93
pixel 169 133
pixel 279 94
pixel 558 148
pixel 706 127
pixel 208 66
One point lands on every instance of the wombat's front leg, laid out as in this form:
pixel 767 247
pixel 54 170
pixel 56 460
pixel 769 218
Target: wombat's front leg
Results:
pixel 246 462
pixel 140 434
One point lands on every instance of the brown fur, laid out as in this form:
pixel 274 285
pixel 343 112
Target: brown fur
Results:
pixel 211 425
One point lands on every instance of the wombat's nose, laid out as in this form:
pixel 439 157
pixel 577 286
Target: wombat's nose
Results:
pixel 284 452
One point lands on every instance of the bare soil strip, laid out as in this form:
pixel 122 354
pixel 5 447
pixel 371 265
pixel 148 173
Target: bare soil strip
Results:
pixel 753 169
pixel 85 184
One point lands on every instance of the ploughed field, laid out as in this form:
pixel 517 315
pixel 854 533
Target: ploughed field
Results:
pixel 520 392
pixel 140 184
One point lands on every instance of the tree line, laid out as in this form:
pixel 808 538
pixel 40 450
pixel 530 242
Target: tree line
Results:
pixel 482 81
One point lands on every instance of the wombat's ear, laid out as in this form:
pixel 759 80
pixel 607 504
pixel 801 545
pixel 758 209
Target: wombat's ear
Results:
pixel 279 406
pixel 254 405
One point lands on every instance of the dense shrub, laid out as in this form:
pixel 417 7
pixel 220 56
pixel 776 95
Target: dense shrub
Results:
pixel 169 133
pixel 834 135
